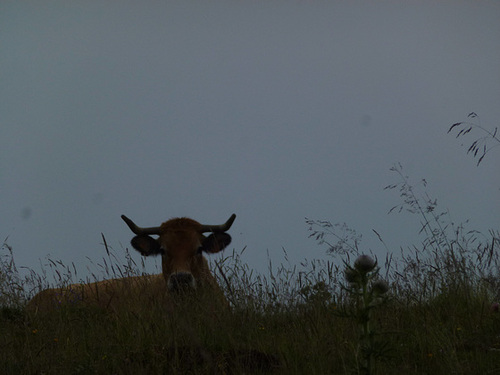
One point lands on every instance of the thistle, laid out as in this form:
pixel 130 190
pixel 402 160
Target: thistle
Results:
pixel 369 292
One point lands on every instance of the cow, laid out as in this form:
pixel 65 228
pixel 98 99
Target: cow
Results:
pixel 185 270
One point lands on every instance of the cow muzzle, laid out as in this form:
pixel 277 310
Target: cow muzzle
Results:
pixel 181 282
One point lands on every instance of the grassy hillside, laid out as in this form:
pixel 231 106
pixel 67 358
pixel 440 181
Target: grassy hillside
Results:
pixel 287 322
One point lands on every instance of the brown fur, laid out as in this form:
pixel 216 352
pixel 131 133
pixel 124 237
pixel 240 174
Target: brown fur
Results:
pixel 107 294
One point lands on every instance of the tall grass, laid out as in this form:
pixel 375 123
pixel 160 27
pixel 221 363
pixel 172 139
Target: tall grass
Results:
pixel 436 316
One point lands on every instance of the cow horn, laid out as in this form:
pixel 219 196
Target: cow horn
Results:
pixel 219 228
pixel 138 230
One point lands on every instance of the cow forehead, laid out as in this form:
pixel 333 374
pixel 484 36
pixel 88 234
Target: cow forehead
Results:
pixel 183 224
pixel 180 237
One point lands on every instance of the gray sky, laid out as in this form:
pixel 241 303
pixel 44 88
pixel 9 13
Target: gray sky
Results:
pixel 273 110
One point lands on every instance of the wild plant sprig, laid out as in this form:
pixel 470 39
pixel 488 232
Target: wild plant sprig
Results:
pixel 480 145
pixel 368 292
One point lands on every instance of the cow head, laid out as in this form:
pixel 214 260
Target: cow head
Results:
pixel 181 244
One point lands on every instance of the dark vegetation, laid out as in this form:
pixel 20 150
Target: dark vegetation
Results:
pixel 482 145
pixel 432 309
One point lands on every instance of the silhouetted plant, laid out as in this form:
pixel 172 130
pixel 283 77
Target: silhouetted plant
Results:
pixel 478 148
pixel 347 240
pixel 11 285
pixel 451 258
pixel 422 205
pixel 368 292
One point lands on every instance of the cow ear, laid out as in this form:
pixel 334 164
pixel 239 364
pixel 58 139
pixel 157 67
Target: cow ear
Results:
pixel 215 242
pixel 146 245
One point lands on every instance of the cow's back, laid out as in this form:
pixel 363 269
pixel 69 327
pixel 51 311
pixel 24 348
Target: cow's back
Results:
pixel 114 294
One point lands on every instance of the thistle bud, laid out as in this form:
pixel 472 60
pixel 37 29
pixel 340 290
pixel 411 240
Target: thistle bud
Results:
pixel 380 287
pixel 364 263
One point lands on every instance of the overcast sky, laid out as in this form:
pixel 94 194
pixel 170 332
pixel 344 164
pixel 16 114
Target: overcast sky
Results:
pixel 273 110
